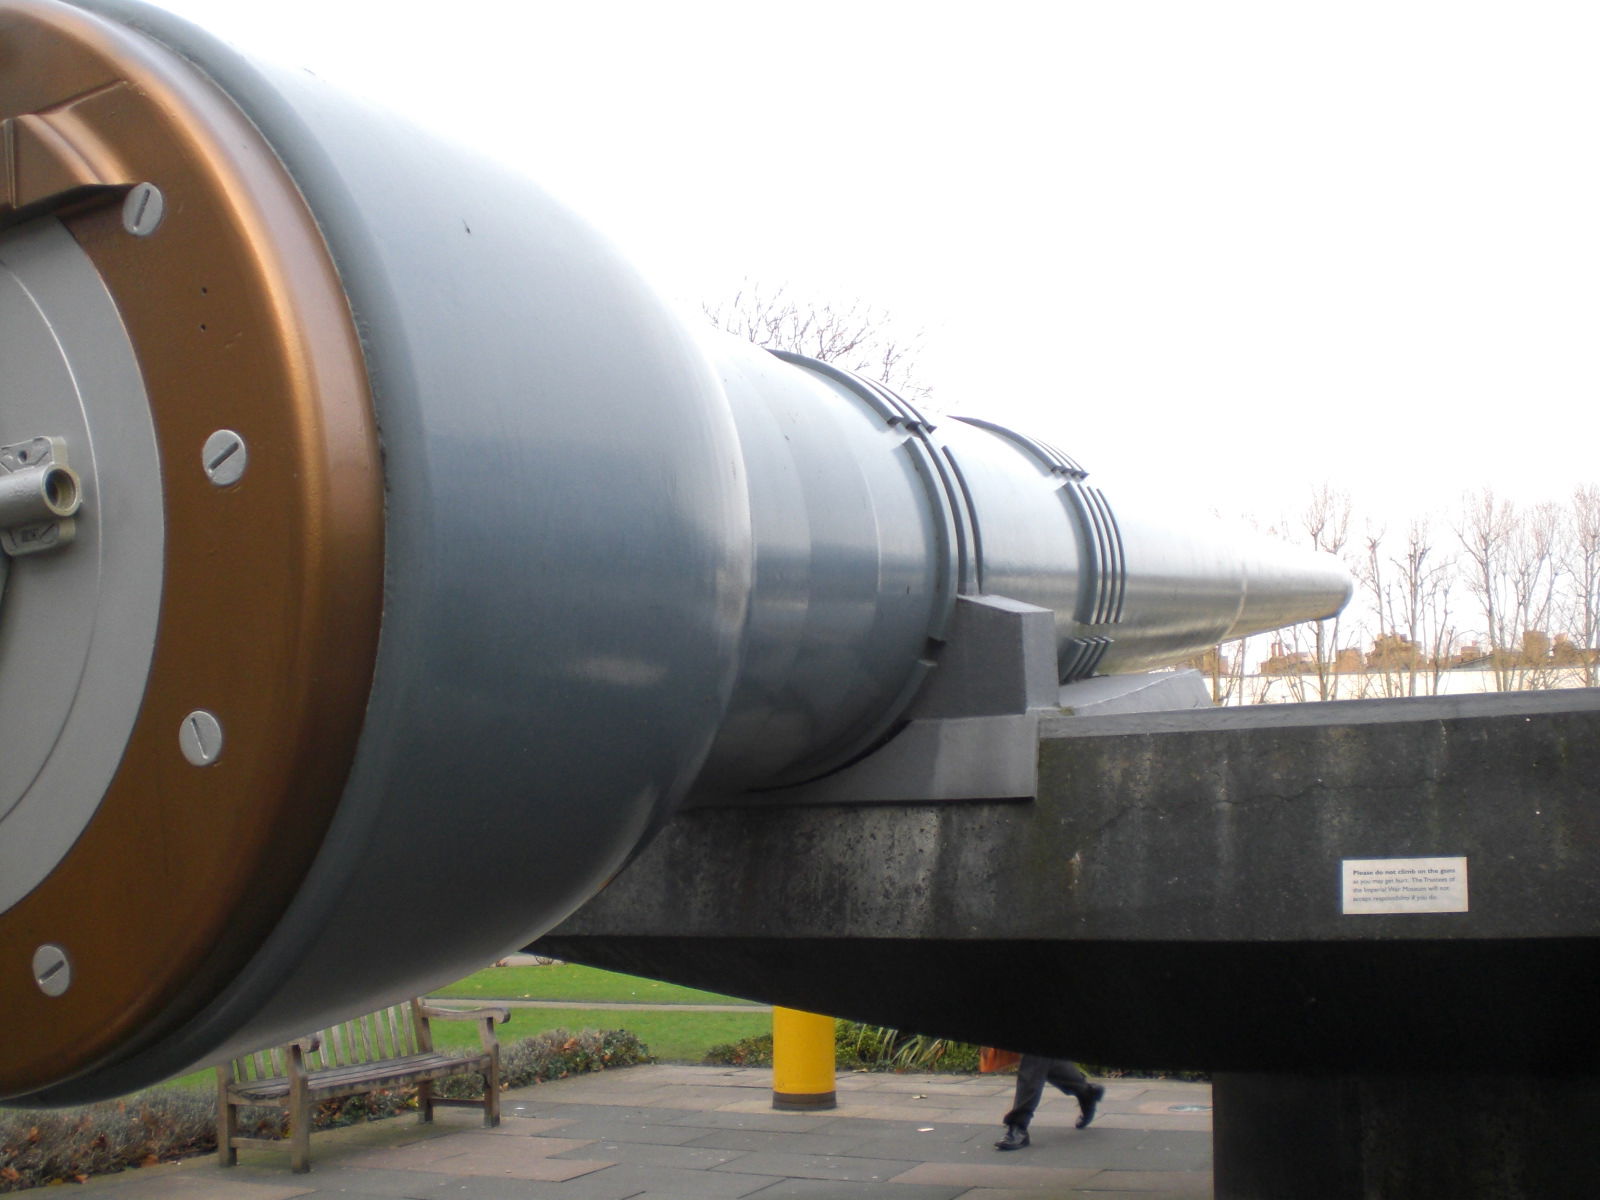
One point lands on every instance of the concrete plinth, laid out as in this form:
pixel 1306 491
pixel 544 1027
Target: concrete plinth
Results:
pixel 1245 890
pixel 1437 1136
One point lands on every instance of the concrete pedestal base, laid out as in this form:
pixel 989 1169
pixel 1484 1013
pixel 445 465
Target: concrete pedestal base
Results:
pixel 1405 1137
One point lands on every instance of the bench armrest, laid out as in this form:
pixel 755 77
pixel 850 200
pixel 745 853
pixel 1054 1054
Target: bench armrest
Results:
pixel 498 1014
pixel 295 1052
pixel 488 1017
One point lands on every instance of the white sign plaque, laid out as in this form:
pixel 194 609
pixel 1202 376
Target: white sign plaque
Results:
pixel 1405 885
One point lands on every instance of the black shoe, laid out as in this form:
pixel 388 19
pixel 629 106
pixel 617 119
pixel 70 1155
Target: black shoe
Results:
pixel 1088 1102
pixel 1015 1139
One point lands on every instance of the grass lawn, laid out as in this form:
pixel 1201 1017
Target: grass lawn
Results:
pixel 672 1036
pixel 583 985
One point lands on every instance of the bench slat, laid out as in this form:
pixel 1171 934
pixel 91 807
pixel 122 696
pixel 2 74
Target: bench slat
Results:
pixel 364 1076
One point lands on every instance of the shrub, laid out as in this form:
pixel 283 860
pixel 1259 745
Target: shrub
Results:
pixel 39 1147
pixel 746 1052
pixel 879 1048
pixel 863 1048
pixel 69 1145
pixel 555 1054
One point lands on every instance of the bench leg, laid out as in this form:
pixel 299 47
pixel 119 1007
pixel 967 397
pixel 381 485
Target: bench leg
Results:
pixel 299 1128
pixel 491 1094
pixel 227 1123
pixel 300 1146
pixel 425 1102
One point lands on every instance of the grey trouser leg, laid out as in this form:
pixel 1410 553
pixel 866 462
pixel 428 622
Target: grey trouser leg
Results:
pixel 1032 1074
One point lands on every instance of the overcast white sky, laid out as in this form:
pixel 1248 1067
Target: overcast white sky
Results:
pixel 1227 249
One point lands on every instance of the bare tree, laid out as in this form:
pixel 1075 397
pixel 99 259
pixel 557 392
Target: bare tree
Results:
pixel 1515 574
pixel 1298 662
pixel 1581 560
pixel 1410 594
pixel 1370 573
pixel 1425 578
pixel 1534 577
pixel 1226 672
pixel 857 336
pixel 1326 522
pixel 1484 530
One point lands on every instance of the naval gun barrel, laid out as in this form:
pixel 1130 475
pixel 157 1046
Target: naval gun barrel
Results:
pixel 417 545
pixel 868 521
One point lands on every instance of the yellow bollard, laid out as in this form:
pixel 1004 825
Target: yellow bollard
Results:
pixel 802 1060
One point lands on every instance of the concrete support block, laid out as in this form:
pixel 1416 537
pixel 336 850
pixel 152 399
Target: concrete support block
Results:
pixel 1435 1136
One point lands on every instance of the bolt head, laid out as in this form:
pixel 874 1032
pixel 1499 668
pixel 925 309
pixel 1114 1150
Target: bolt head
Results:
pixel 200 738
pixel 224 457
pixel 142 209
pixel 52 969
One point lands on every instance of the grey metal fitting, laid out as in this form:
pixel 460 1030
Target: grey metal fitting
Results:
pixel 39 493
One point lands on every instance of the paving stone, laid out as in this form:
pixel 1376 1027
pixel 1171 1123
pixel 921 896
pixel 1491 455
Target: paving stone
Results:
pixel 936 1100
pixel 650 1132
pixel 647 1154
pixel 1184 1140
pixel 1171 1185
pixel 626 1180
pixel 477 1188
pixel 779 1141
pixel 527 1125
pixel 907 1113
pixel 833 1189
pixel 1166 1151
pixel 157 1184
pixel 488 1155
pixel 928 1148
pixel 822 1166
pixel 1076 1147
pixel 935 1128
pixel 780 1122
pixel 997 1175
pixel 343 1180
pixel 654 1114
pixel 1175 1122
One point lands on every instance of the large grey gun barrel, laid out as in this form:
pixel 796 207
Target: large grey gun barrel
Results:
pixel 415 546
pixel 868 521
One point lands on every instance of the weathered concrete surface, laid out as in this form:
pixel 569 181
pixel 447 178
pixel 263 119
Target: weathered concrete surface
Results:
pixel 1399 1137
pixel 1174 896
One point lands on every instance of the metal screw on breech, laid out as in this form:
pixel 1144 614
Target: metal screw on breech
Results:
pixel 52 970
pixel 200 738
pixel 143 209
pixel 224 457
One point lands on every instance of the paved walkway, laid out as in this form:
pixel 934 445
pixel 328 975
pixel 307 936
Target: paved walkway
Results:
pixel 701 1133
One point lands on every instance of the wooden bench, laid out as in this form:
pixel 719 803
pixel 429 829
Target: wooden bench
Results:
pixel 389 1048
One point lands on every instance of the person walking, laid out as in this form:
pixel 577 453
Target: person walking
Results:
pixel 1033 1072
